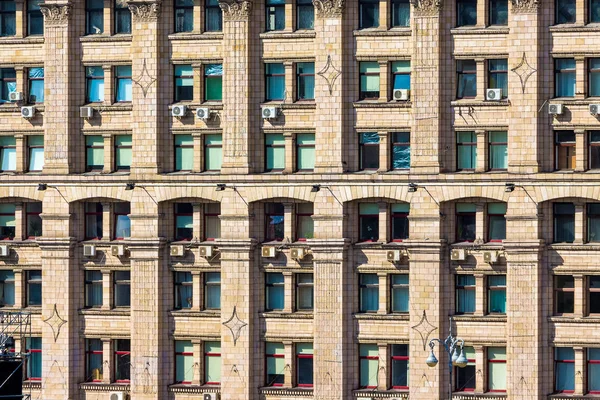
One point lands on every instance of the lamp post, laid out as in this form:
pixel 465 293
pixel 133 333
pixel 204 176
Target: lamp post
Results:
pixel 456 355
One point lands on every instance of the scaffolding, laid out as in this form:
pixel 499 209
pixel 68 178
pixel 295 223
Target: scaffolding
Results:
pixel 13 326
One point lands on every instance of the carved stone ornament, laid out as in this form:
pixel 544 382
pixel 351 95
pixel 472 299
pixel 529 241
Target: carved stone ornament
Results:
pixel 427 7
pixel 234 10
pixel 525 6
pixel 145 10
pixel 55 14
pixel 329 8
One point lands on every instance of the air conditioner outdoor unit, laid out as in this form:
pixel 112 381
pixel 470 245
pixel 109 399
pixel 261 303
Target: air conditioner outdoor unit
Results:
pixel 4 250
pixel 493 94
pixel 177 250
pixel 401 94
pixel 299 253
pixel 393 255
pixel 89 250
pixel 178 111
pixel 203 113
pixel 27 112
pixel 594 109
pixel 118 396
pixel 269 251
pixel 15 96
pixel 555 109
pixel 117 250
pixel 269 112
pixel 458 255
pixel 490 257
pixel 86 112
pixel 206 251
pixel 210 396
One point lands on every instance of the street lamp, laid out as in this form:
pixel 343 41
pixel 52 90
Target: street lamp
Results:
pixel 456 355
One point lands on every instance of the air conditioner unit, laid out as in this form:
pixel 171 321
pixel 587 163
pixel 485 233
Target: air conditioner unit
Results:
pixel 210 396
pixel 555 109
pixel 299 253
pixel 393 255
pixel 177 250
pixel 493 94
pixel 27 112
pixel 117 250
pixel 269 112
pixel 86 112
pixel 203 113
pixel 178 111
pixel 89 250
pixel 15 96
pixel 4 250
pixel 594 109
pixel 490 257
pixel 458 255
pixel 401 94
pixel 118 396
pixel 269 251
pixel 206 251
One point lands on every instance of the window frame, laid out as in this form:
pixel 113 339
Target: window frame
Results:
pixel 304 146
pixel 360 367
pixel 271 10
pixel 29 281
pixel 268 215
pixel 401 286
pixel 300 77
pixel 177 146
pixel 178 284
pixel 362 239
pixel 561 71
pixel 556 12
pixel 556 362
pixel 88 13
pixel 211 284
pixel 393 22
pixel 555 219
pixel 590 362
pixel 491 9
pixel 593 144
pixel 4 82
pixel 33 350
pixel 117 13
pixel 490 74
pixel 376 14
pixel 3 154
pixel 362 287
pixel 460 214
pixel 590 291
pixel 490 289
pixel 399 358
pixel 298 216
pixel 270 75
pixel 571 147
pixel 305 357
pixel 117 148
pixel 176 95
pixel 208 355
pixel 118 79
pixel 461 74
pixel 363 153
pixel 396 144
pixel 212 77
pixel 4 15
pixel 301 286
pixel 182 354
pixel 89 78
pixel 495 361
pixel 90 352
pixel 364 94
pixel 121 353
pixel 465 288
pixel 115 217
pixel 31 147
pixel 88 166
pixel 591 71
pixel 590 16
pixel 491 145
pixel 92 284
pixel 7 280
pixel 471 145
pixel 207 147
pixel 185 9
pixel 9 214
pixel 457 376
pixel 489 223
pixel 300 4
pixel 208 7
pixel 269 286
pixel 29 213
pixel 458 14
pixel 121 282
pixel 35 79
pixel 273 355
pixel 87 213
pixel 207 215
pixel 557 291
pixel 176 215
pixel 392 217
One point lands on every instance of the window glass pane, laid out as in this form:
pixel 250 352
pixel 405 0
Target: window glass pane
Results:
pixel 184 152
pixel 565 77
pixel 275 84
pixel 499 12
pixel 184 82
pixel 36 85
pixel 184 363
pixel 213 290
pixel 368 14
pixel 275 291
pixel 564 222
pixel 213 362
pixel 124 151
pixel 214 82
pixel 94 156
pixel 305 14
pixel 214 17
pixel 214 152
pixel 369 365
pixel 369 292
pixel 306 151
pixel 400 13
pixel 275 151
pixel 565 371
pixel 369 83
pixel 466 12
pixel 306 80
pixel 565 11
pixel 275 365
pixel 400 293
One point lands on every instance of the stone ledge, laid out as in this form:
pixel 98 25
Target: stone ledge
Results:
pixel 288 35
pixel 195 36
pixel 34 385
pixel 574 320
pixel 105 387
pixel 282 315
pixel 125 312
pixel 286 392
pixel 194 314
pixel 480 103
pixel 24 40
pixel 388 104
pixel 575 247
pixel 377 394
pixel 381 317
pixel 491 30
pixel 480 318
pixel 105 38
pixel 404 31
pixel 194 389
pixel 472 396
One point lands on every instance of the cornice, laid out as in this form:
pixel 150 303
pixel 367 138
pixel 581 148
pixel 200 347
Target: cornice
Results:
pixel 145 10
pixel 56 14
pixel 425 8
pixel 525 6
pixel 236 10
pixel 329 8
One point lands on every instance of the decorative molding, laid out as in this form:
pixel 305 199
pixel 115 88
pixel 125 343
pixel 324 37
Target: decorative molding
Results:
pixel 105 38
pixel 380 394
pixel 148 10
pixel 278 35
pixel 427 7
pixel 193 389
pixel 286 392
pixel 525 6
pixel 329 8
pixel 103 387
pixel 235 10
pixel 56 14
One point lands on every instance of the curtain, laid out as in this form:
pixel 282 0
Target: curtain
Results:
pixel 594 370
pixel 275 294
pixel 467 157
pixel 275 84
pixel 306 151
pixel 123 295
pixel 593 222
pixel 184 156
pixel 124 154
pixel 275 365
pixel 498 156
pixel 496 370
pixel 400 299
pixel 499 12
pixel 95 294
pixel 213 290
pixel 497 229
pixel 184 364
pixel 123 228
pixel 275 155
pixel 214 153
pixel 305 15
pixel 9 159
pixel 214 17
pixel 466 13
pixel 400 13
pixel 594 66
pixel 595 11
pixel 212 362
pixel 497 301
pixel 369 367
pixel 306 83
pixel 564 228
pixel 369 83
pixel 184 20
pixel 8 288
pixel 305 297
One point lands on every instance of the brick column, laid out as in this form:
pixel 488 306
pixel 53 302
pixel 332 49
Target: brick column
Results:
pixel 383 222
pixel 579 222
pixel 109 95
pixel 480 365
pixel 580 12
pixel 20 220
pixel 106 290
pixel 580 77
pixel 107 221
pixel 21 80
pixel 288 226
pixel 290 159
pixel 288 288
pixel 384 302
pixel 198 378
pixel 385 151
pixel 580 296
pixel 480 63
pixel 480 221
pixel 384 14
pixel 482 151
pixel 109 25
pixel 384 78
pixel 198 220
pixel 109 155
pixel 383 373
pixel 198 153
pixel 108 364
pixel 198 83
pixel 21 157
pixel 479 294
pixel 581 154
pixel 197 292
pixel 482 13
pixel 289 362
pixel 198 16
pixel 19 288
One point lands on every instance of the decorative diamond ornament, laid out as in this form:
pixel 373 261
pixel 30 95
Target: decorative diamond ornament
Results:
pixel 330 73
pixel 235 325
pixel 145 81
pixel 55 322
pixel 424 329
pixel 524 71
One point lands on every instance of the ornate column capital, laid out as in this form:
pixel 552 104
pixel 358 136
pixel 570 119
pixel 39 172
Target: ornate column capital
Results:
pixel 56 14
pixel 426 7
pixel 525 6
pixel 234 10
pixel 329 8
pixel 145 10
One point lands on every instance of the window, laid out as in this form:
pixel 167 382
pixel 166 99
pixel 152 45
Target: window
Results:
pixel 35 145
pixel 8 153
pixel 594 149
pixel 594 297
pixel 304 364
pixel 34 288
pixel 123 152
pixel 368 11
pixel 274 152
pixel 465 377
pixel 564 369
pixel 401 74
pixel 369 151
pixel 368 221
pixel 399 293
pixel 275 358
pixel 565 150
pixel 498 75
pixel 213 16
pixel 465 222
pixel 466 12
pixel 7 288
pixel 369 365
pixel 275 15
pixel 593 377
pixel 274 81
pixel 213 152
pixel 498 12
pixel 399 219
pixel 122 17
pixel 496 358
pixel 8 80
pixel 594 11
pixel 498 151
pixel 400 13
pixel 183 290
pixel 305 14
pixel 564 222
pixel 564 77
pixel 36 85
pixel 34 362
pixel 212 222
pixel 93 289
pixel 93 221
pixel 184 153
pixel 212 363
pixel 34 221
pixel 305 152
pixel 122 360
pixel 496 294
pixel 466 76
pixel 184 221
pixel 369 80
pixel 212 290
pixel 274 218
pixel 93 356
pixel 35 19
pixel 184 16
pixel 94 77
pixel 8 221
pixel 123 83
pixel 564 12
pixel 184 83
pixel 274 291
pixel 564 294
pixel 8 18
pixel 594 72
pixel 184 361
pixel 465 294
pixel 305 77
pixel 122 289
pixel 593 226
pixel 400 150
pixel 304 221
pixel 496 222
pixel 466 149
pixel 94 17
pixel 400 366
pixel 305 292
pixel 122 221
pixel 94 153
pixel 213 82
pixel 369 292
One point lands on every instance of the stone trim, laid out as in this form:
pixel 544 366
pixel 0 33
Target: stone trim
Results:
pixel 145 10
pixel 194 389
pixel 282 315
pixel 26 40
pixel 329 8
pixel 358 394
pixel 382 317
pixel 480 31
pixel 424 8
pixel 105 38
pixel 285 392
pixel 195 36
pixel 287 35
pixel 56 14
pixel 102 387
pixel 525 6
pixel 485 318
pixel 495 396
pixel 390 104
pixel 236 10
pixel 376 32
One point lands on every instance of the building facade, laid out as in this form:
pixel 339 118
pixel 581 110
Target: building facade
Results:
pixel 287 199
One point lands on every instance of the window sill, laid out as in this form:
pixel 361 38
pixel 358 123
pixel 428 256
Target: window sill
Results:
pixel 286 392
pixel 379 317
pixel 104 387
pixel 188 312
pixel 493 318
pixel 477 247
pixel 115 312
pixel 303 34
pixel 196 36
pixel 101 37
pixel 21 40
pixel 36 310
pixel 382 104
pixel 574 28
pixel 102 107
pixel 478 30
pixel 478 396
pixel 194 389
pixel 297 105
pixel 395 31
pixel 372 393
pixel 575 246
pixel 479 103
pixel 569 319
pixel 286 315
pixel 34 385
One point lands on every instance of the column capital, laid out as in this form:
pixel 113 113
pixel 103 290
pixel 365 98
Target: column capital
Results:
pixel 525 6
pixel 234 10
pixel 145 10
pixel 426 7
pixel 56 14
pixel 329 8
